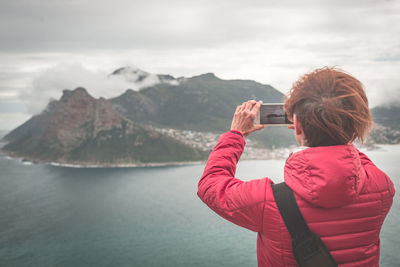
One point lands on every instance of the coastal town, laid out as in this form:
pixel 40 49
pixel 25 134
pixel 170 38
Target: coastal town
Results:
pixel 206 141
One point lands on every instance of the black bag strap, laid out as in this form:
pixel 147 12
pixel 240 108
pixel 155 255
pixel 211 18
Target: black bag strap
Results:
pixel 308 248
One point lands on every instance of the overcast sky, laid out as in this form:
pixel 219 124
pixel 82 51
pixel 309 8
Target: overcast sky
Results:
pixel 50 45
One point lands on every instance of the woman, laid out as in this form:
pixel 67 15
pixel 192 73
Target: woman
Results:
pixel 342 195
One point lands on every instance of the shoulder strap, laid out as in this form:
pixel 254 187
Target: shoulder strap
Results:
pixel 290 211
pixel 308 248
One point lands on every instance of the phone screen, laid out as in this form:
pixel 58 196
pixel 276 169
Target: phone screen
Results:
pixel 273 114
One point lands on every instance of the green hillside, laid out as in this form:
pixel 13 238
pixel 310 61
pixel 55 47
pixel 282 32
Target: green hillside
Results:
pixel 202 103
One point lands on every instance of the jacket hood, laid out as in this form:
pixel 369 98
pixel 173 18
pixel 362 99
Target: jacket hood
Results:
pixel 328 177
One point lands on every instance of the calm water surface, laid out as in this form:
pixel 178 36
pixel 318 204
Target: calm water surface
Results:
pixel 57 216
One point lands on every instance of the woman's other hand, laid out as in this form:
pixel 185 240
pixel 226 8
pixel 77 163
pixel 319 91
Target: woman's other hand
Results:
pixel 243 119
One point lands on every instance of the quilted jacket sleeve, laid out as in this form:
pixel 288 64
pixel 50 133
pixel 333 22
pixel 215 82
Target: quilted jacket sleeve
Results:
pixel 237 201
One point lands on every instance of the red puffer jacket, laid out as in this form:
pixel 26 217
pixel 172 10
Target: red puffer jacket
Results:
pixel 343 196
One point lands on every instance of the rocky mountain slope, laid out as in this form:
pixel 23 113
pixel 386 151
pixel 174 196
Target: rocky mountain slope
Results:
pixel 80 129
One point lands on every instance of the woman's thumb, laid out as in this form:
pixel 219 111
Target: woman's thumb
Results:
pixel 259 127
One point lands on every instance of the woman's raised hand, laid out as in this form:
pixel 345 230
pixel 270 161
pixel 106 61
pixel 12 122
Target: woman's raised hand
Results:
pixel 243 119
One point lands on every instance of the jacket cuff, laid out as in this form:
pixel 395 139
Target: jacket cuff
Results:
pixel 236 132
pixel 236 137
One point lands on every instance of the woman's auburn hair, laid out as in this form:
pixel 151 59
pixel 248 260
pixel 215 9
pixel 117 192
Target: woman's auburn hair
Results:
pixel 331 106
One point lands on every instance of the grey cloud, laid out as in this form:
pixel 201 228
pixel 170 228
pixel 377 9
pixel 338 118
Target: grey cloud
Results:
pixel 84 25
pixel 62 27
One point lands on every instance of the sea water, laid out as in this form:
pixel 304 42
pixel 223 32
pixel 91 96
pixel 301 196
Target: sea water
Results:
pixel 148 216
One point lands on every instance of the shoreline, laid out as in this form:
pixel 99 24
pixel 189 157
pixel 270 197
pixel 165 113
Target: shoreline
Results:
pixel 130 165
pixel 28 161
pixel 248 154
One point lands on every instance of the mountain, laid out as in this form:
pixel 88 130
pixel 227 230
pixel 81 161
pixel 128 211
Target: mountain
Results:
pixel 135 127
pixel 80 129
pixel 386 128
pixel 203 103
pixel 383 135
pixel 388 116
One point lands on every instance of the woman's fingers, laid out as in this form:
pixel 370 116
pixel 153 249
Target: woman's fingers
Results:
pixel 256 107
pixel 248 105
pixel 251 106
pixel 243 120
pixel 241 107
pixel 251 103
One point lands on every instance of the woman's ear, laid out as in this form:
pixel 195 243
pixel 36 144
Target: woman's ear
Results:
pixel 297 126
pixel 298 131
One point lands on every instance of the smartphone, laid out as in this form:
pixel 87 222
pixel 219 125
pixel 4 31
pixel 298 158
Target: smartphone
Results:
pixel 272 114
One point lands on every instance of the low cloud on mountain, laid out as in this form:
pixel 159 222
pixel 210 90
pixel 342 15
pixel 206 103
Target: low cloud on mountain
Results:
pixel 50 83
